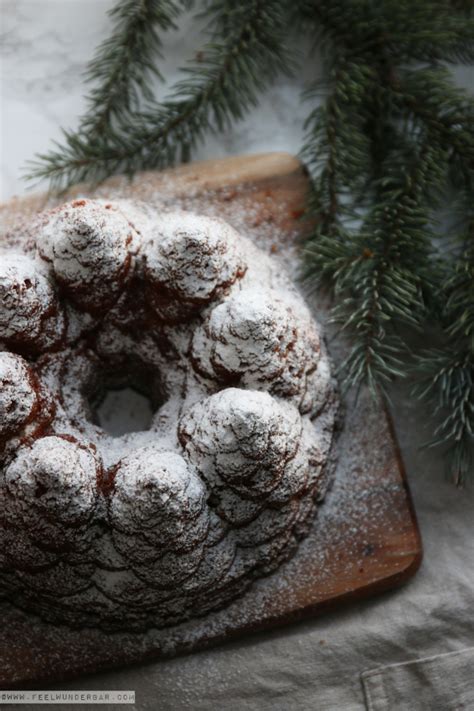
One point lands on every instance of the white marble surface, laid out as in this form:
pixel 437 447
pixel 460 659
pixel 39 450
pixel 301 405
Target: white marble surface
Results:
pixel 44 46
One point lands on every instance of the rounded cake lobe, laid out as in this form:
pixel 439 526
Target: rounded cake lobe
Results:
pixel 251 333
pixel 90 247
pixel 245 438
pixel 191 260
pixel 31 318
pixel 255 340
pixel 19 399
pixel 157 494
pixel 54 480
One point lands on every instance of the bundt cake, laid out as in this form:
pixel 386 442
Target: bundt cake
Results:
pixel 152 527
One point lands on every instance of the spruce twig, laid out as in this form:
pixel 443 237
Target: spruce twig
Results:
pixel 216 91
pixel 120 74
pixel 125 64
pixel 382 263
pixel 447 372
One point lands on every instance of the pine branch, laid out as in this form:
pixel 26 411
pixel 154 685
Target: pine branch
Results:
pixel 407 31
pixel 432 100
pixel 337 149
pixel 447 372
pixel 124 64
pixel 447 381
pixel 121 73
pixel 380 273
pixel 381 262
pixel 219 89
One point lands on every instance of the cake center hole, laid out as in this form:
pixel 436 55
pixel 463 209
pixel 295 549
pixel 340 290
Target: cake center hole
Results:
pixel 123 410
pixel 124 401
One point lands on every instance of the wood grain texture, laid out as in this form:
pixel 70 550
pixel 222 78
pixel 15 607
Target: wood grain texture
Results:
pixel 365 539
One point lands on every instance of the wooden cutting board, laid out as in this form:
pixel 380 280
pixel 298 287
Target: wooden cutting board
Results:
pixel 365 538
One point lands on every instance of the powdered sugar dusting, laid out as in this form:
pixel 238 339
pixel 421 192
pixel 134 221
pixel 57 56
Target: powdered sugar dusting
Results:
pixel 17 394
pixel 193 258
pixel 178 520
pixel 30 315
pixel 89 246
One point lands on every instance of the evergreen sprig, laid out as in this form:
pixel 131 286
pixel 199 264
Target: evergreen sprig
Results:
pixel 245 51
pixel 383 150
pixel 447 372
pixel 125 64
pixel 388 137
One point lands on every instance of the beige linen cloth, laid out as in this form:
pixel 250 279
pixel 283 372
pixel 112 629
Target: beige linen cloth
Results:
pixel 442 682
